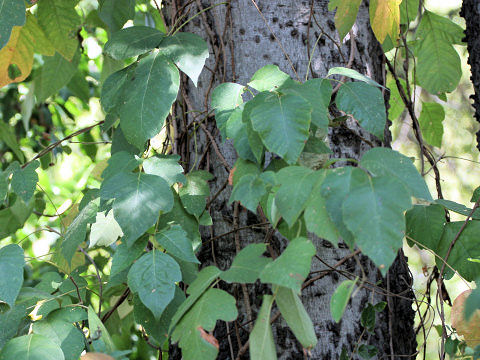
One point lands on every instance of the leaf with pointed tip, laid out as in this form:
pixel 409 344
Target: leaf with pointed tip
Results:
pixel 153 89
pixel 385 18
pixel 459 208
pixel 373 212
pixel 139 198
pixel 283 123
pixel 31 347
pixel 24 181
pixel 188 51
pixel 247 265
pixel 133 41
pixel 296 317
pixel 101 339
pixel 60 21
pixel 291 268
pixel 296 186
pixel 195 290
pixel 11 263
pixel 123 258
pixel 366 104
pixel 190 333
pixel 345 15
pixel 354 74
pixel 340 298
pixel 167 167
pixel 105 230
pixel 430 120
pixel 226 98
pixel 55 73
pixel 121 161
pixel 268 78
pixel 113 89
pixel 262 345
pixel 176 242
pixel 388 162
pixel 153 277
pixel 249 191
pixel 11 14
pixel 77 230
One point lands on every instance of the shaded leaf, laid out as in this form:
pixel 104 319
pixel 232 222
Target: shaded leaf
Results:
pixel 249 190
pixel 424 224
pixel 24 181
pixel 430 120
pixel 115 13
pixel 194 194
pixel 340 298
pixel 11 263
pixel 167 167
pixel 247 265
pixel 177 243
pixel 133 41
pixel 12 13
pixel 31 347
pixel 262 345
pixel 101 339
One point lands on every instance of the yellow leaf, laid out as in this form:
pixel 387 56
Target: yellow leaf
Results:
pixel 346 14
pixel 385 18
pixel 469 329
pixel 96 356
pixel 16 58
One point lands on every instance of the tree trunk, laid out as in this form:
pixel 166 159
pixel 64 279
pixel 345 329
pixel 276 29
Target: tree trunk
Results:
pixel 471 12
pixel 242 38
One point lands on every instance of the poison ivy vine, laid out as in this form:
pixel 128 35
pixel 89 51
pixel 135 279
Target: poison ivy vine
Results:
pixel 146 208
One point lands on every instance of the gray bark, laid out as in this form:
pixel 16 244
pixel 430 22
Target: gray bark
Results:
pixel 471 12
pixel 240 43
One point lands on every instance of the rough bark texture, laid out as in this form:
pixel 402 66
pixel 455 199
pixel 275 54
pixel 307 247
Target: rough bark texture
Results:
pixel 471 12
pixel 241 42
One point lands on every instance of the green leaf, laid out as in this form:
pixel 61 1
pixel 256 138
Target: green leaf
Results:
pixel 194 194
pixel 13 217
pixel 12 13
pixel 195 290
pixel 105 230
pixel 153 277
pixel 396 103
pixel 291 268
pixel 158 329
pixel 345 15
pixel 367 351
pixel 174 239
pixel 425 225
pixel 152 91
pixel 296 317
pixel 466 248
pixel 408 11
pixel 31 347
pixel 77 230
pixel 190 333
pixel 373 212
pixel 262 345
pixel 249 191
pixel 115 13
pixel 237 130
pixel 123 258
pixel 430 120
pixel 268 78
pixel 167 167
pixel 121 161
pixel 55 73
pixel 318 93
pixel 247 265
pixel 101 339
pixel 7 135
pixel 354 74
pixel 388 162
pixel 133 41
pixel 440 27
pixel 283 123
pixel 226 98
pixel 366 104
pixel 368 317
pixel 10 321
pixel 458 208
pixel 11 263
pixel 316 216
pixel 131 193
pixel 340 298
pixel 188 51
pixel 244 167
pixel 60 22
pixel 334 190
pixel 297 183
pixel 62 333
pixel 24 181
pixel 113 89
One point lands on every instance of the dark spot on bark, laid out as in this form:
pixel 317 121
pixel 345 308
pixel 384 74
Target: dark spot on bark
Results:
pixel 242 31
pixel 271 37
pixel 327 244
pixel 257 39
pixel 331 25
pixel 335 276
pixel 360 47
pixel 304 39
pixel 275 19
pixel 294 33
pixel 321 42
pixel 196 22
pixel 266 56
pixel 289 23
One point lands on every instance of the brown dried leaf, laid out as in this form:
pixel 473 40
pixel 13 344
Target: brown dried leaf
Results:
pixel 469 329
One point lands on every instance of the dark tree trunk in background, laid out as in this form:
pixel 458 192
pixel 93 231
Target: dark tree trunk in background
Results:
pixel 241 41
pixel 471 12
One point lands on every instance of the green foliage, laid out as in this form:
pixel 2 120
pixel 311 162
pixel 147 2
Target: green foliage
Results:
pixel 247 265
pixel 340 299
pixel 261 338
pixel 32 347
pixel 11 263
pixel 12 14
pixel 430 120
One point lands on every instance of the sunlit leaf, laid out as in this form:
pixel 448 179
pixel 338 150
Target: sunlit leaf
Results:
pixel 11 263
pixel 345 15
